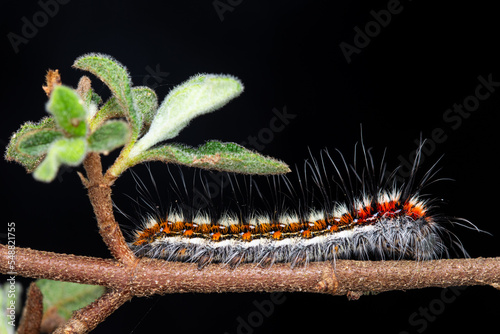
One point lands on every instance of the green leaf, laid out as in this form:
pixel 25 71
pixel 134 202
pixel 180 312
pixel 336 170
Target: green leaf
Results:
pixel 146 103
pixel 116 77
pixel 109 136
pixel 68 110
pixel 199 95
pixel 13 153
pixel 228 157
pixel 111 109
pixel 37 142
pixel 47 170
pixel 67 297
pixel 68 151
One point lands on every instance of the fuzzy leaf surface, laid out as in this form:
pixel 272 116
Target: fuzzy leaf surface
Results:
pixel 110 109
pixel 68 151
pixel 12 153
pixel 215 155
pixel 116 77
pixel 109 136
pixel 146 103
pixel 199 95
pixel 37 142
pixel 68 110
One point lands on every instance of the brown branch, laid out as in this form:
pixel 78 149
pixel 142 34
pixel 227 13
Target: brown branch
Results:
pixel 99 189
pixel 86 319
pixel 31 318
pixel 151 276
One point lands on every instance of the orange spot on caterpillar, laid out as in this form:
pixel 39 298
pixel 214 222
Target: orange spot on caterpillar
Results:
pixel 365 212
pixel 413 210
pixel 418 212
pixel 277 235
pixel 247 236
pixel 306 234
pixel 216 236
pixel 389 206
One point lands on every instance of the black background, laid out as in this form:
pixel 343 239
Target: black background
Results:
pixel 287 54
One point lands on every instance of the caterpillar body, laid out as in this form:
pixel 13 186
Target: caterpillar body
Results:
pixel 378 219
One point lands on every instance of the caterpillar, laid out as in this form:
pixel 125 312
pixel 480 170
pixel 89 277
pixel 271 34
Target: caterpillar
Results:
pixel 379 218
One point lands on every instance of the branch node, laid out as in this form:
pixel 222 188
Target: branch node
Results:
pixel 329 282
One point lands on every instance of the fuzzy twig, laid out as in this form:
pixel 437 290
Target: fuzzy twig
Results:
pixel 99 189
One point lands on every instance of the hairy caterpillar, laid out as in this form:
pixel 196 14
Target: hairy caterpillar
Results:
pixel 378 219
